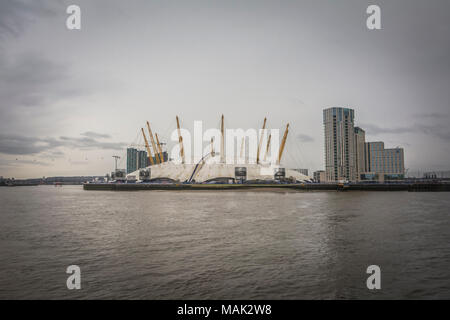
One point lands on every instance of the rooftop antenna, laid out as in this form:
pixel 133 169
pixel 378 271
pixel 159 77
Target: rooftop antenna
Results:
pixel 115 160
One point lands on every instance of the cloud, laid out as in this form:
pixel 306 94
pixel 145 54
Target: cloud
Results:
pixel 23 145
pixel 305 138
pixel 95 135
pixel 86 143
pixel 432 115
pixel 51 154
pixel 15 15
pixel 30 86
pixel 78 162
pixel 437 130
pixel 21 162
pixel 30 80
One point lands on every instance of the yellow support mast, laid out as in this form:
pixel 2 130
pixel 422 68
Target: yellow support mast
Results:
pixel 158 160
pixel 268 146
pixel 180 140
pixel 222 143
pixel 260 141
pixel 159 148
pixel 283 142
pixel 241 156
pixel 150 157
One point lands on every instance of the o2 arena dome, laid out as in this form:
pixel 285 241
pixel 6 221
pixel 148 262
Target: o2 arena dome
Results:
pixel 212 168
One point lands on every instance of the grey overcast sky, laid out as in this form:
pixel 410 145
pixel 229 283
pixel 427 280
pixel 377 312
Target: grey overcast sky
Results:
pixel 69 100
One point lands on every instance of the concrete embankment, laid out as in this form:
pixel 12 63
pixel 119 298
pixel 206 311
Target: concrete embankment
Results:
pixel 270 187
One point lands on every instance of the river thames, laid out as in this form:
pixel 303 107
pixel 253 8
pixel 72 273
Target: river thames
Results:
pixel 223 245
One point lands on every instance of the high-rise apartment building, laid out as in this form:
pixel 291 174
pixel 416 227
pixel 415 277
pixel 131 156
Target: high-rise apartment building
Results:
pixel 340 154
pixel 138 159
pixel 349 157
pixel 132 159
pixel 142 159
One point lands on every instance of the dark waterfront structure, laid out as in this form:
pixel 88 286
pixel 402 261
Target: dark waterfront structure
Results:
pixel 422 186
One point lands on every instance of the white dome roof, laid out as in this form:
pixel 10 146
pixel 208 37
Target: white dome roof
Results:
pixel 207 171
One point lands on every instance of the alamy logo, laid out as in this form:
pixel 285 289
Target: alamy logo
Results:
pixel 374 280
pixel 74 280
pixel 230 146
pixel 73 21
pixel 374 20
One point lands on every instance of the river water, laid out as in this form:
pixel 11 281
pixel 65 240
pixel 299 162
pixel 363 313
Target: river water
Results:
pixel 222 245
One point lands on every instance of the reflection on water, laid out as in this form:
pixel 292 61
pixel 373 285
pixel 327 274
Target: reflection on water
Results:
pixel 161 245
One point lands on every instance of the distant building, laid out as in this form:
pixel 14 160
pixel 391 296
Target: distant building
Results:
pixel 142 159
pixel 383 164
pixel 65 180
pixel 339 144
pixel 165 158
pixel 138 159
pixel 349 157
pixel 437 175
pixel 302 171
pixel 132 159
pixel 319 176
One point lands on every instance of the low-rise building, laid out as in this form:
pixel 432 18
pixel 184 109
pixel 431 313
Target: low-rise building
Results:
pixel 303 171
pixel 320 176
pixel 383 164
